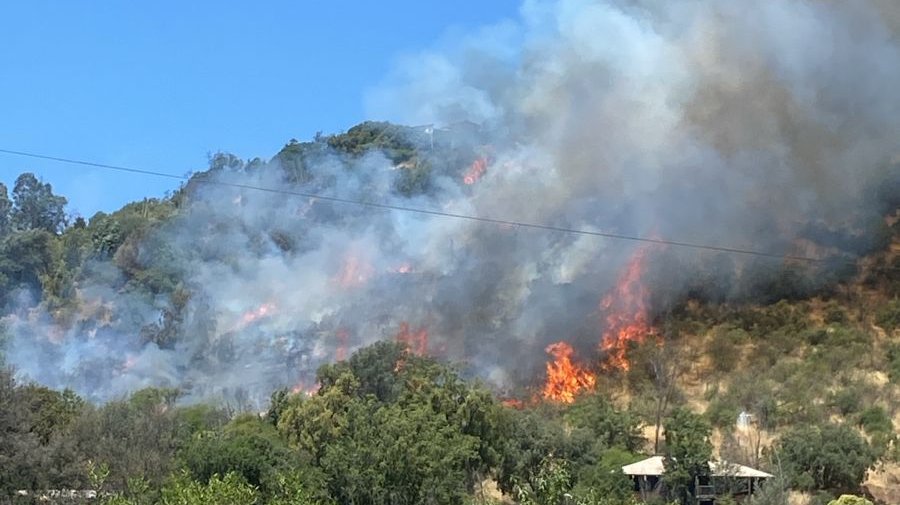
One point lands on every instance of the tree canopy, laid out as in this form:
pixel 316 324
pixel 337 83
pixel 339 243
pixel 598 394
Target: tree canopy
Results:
pixel 35 207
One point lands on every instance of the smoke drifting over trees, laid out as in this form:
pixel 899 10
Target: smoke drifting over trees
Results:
pixel 734 124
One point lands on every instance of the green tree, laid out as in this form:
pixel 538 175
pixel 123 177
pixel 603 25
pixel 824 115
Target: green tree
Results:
pixel 468 408
pixel 390 427
pixel 605 478
pixel 138 436
pixel 393 140
pixel 27 259
pixel 535 434
pixel 551 486
pixel 688 451
pixel 399 455
pixel 248 447
pixel 21 455
pixel 51 411
pixel 376 369
pixel 611 427
pixel 312 424
pixel 829 456
pixel 296 489
pixel 5 210
pixel 35 207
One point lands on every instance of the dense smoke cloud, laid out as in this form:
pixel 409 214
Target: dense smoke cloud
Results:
pixel 759 125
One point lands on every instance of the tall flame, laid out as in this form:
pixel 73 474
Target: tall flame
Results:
pixel 416 341
pixel 565 379
pixel 627 319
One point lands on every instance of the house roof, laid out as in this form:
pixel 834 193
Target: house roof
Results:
pixel 654 466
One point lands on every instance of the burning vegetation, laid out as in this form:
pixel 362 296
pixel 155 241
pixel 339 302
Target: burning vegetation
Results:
pixel 475 171
pixel 626 310
pixel 487 237
pixel 504 242
pixel 414 340
pixel 565 379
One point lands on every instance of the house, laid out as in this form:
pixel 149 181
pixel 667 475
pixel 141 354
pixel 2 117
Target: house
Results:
pixel 724 478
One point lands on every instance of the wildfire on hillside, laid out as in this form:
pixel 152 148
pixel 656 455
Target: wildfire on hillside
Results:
pixel 475 171
pixel 415 340
pixel 627 319
pixel 300 387
pixel 251 316
pixel 513 403
pixel 565 379
pixel 343 336
pixel 129 363
pixel 627 322
pixel 355 271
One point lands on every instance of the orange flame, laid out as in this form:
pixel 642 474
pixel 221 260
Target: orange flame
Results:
pixel 354 272
pixel 416 341
pixel 513 403
pixel 308 391
pixel 129 363
pixel 340 354
pixel 564 378
pixel 475 171
pixel 264 310
pixel 626 313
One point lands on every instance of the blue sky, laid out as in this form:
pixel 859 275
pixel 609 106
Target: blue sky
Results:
pixel 158 85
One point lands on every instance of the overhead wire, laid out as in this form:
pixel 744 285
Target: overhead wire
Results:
pixel 423 211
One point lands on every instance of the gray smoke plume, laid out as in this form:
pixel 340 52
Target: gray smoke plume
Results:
pixel 767 125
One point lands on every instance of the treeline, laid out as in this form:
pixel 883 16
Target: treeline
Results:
pixel 384 427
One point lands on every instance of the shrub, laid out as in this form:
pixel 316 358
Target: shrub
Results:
pixel 849 499
pixel 724 349
pixel 893 365
pixel 248 448
pixel 230 489
pixel 888 316
pixel 847 401
pixel 875 420
pixel 835 314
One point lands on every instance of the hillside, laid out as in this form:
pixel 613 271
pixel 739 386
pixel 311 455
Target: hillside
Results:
pixel 198 296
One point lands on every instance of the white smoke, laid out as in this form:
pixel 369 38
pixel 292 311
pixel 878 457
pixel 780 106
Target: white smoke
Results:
pixel 730 123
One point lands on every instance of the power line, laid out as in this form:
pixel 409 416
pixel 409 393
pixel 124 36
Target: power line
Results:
pixel 429 212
